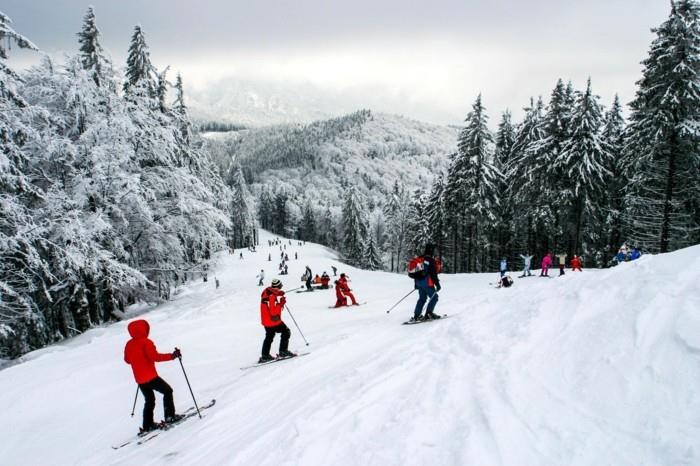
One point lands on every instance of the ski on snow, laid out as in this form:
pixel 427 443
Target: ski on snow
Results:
pixel 273 360
pixel 140 439
pixel 351 305
pixel 409 322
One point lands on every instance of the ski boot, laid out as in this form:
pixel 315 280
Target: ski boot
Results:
pixel 286 354
pixel 265 358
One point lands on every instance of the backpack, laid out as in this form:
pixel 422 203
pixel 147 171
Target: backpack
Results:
pixel 438 265
pixel 416 268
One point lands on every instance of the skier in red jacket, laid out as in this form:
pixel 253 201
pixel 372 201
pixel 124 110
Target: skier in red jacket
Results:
pixel 342 292
pixel 271 304
pixel 576 264
pixel 141 353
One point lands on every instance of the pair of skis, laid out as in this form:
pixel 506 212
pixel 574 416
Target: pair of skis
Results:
pixel 162 427
pixel 277 359
pixel 414 322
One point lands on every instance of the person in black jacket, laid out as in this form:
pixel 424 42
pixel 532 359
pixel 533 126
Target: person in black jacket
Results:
pixel 427 286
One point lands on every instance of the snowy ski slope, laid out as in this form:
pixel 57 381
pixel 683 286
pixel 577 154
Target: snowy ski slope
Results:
pixel 594 368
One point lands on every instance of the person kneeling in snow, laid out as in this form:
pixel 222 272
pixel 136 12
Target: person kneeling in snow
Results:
pixel 343 292
pixel 141 353
pixel 271 304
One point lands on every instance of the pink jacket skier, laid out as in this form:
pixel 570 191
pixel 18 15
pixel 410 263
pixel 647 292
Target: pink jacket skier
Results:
pixel 546 264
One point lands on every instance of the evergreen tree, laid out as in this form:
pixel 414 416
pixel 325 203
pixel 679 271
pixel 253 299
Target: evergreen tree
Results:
pixel 663 143
pixel 139 70
pixel 503 228
pixel 91 54
pixel 372 258
pixel 308 224
pixel 396 214
pixel 472 191
pixel 435 215
pixel 354 228
pixel 613 136
pixel 582 163
pixel 418 231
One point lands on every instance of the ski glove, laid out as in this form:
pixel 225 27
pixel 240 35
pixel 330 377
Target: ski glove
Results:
pixel 283 301
pixel 437 286
pixel 177 353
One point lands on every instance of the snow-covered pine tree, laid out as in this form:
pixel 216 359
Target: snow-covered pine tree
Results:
pixel 472 186
pixel 582 163
pixel 162 89
pixel 528 172
pixel 396 215
pixel 503 228
pixel 662 154
pixel 613 136
pixel 242 218
pixel 22 269
pixel 307 230
pixel 435 216
pixel 139 69
pixel 417 228
pixel 354 227
pixel 92 55
pixel 372 257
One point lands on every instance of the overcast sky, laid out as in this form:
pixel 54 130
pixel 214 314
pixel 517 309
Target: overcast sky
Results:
pixel 430 57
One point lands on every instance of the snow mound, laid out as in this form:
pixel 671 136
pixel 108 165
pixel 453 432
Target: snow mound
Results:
pixel 599 367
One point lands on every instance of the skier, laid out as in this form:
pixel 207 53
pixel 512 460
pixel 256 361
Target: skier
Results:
pixel 271 304
pixel 261 276
pixel 295 256
pixel 325 279
pixel 427 286
pixel 343 292
pixel 286 271
pixel 635 254
pixel 269 257
pixel 526 265
pixel 141 353
pixel 576 264
pixel 240 256
pixel 504 267
pixel 307 277
pixel 334 270
pixel 546 264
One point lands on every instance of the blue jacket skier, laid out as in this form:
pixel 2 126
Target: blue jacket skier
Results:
pixel 504 266
pixel 428 285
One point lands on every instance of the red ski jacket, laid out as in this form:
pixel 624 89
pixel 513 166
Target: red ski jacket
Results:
pixel 141 353
pixel 272 302
pixel 575 263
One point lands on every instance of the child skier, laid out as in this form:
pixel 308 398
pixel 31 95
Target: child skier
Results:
pixel 343 292
pixel 546 264
pixel 503 267
pixel 527 259
pixel 271 304
pixel 576 264
pixel 427 286
pixel 141 354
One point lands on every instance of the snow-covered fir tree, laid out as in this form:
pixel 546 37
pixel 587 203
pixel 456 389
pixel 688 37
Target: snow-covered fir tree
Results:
pixel 92 55
pixel 613 136
pixel 139 69
pixel 663 141
pixel 582 163
pixel 372 258
pixel 417 227
pixel 354 227
pixel 471 193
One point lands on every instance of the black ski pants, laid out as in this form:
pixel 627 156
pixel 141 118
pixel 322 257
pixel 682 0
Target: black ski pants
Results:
pixel 270 335
pixel 161 386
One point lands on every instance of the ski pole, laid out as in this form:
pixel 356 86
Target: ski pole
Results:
pixel 392 307
pixel 294 289
pixel 295 323
pixel 179 358
pixel 135 396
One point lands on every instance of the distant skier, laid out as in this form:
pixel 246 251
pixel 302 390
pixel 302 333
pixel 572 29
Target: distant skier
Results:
pixel 261 276
pixel 527 259
pixel 504 266
pixel 427 283
pixel 576 264
pixel 286 270
pixel 141 353
pixel 240 256
pixel 295 256
pixel 272 303
pixel 269 257
pixel 308 276
pixel 325 279
pixel 343 292
pixel 635 254
pixel 334 270
pixel 546 264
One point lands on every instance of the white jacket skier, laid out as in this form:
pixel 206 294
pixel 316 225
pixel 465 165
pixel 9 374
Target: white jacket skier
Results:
pixel 261 276
pixel 526 265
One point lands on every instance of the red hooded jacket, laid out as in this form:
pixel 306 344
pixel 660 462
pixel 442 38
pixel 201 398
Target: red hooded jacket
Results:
pixel 141 353
pixel 272 302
